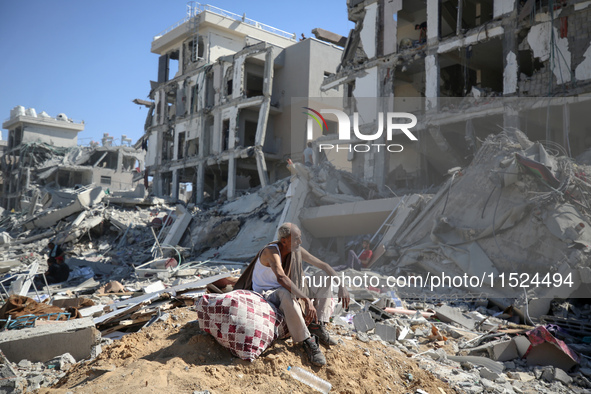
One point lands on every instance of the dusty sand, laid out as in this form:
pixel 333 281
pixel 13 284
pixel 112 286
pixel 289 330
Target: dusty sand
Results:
pixel 177 357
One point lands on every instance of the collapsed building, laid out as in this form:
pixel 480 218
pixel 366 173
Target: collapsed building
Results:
pixel 43 152
pixel 502 203
pixel 220 119
pixel 466 78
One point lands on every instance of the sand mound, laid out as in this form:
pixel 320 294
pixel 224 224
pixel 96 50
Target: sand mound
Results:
pixel 176 356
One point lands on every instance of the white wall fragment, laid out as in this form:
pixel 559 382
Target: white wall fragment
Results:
pixel 502 7
pixel 431 80
pixel 583 5
pixel 432 19
pixel 368 33
pixel 510 74
pixel 390 22
pixel 366 89
pixel 583 70
pixel 540 41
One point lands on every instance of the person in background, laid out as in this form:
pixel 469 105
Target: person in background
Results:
pixel 357 262
pixel 308 157
pixel 58 271
pixel 423 32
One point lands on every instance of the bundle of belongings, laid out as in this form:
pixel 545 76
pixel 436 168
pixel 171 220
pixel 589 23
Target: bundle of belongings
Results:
pixel 241 321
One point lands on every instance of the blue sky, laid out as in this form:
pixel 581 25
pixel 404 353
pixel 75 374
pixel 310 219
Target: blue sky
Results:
pixel 90 59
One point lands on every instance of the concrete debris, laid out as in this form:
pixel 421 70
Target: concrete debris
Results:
pixel 140 242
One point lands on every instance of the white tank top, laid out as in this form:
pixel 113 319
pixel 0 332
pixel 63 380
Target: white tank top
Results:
pixel 263 277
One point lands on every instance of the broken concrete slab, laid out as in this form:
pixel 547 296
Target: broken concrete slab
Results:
pixel 41 344
pixel 522 344
pixel 329 36
pixel 496 350
pixel 48 218
pixel 363 322
pixel 335 220
pixel 386 332
pixel 493 366
pixel 485 373
pixel 179 226
pixel 448 314
pixel 562 376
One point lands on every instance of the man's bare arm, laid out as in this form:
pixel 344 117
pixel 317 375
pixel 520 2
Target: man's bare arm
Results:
pixel 272 259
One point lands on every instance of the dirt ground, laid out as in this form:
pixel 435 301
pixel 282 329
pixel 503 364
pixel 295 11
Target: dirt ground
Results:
pixel 177 357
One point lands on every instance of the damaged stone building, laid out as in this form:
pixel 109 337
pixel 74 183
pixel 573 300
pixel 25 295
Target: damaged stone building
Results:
pixel 464 68
pixel 220 117
pixel 43 151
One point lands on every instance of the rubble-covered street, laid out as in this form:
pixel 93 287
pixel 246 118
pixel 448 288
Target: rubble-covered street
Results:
pixel 126 317
pixel 432 166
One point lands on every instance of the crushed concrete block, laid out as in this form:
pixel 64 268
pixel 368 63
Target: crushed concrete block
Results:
pixel 387 333
pixel 362 337
pixel 154 287
pixel 547 374
pixel 493 366
pixel 63 362
pixel 485 373
pixel 363 322
pixel 496 350
pixel 522 344
pixel 179 226
pixel 487 383
pixel 448 314
pixel 40 344
pixel 25 364
pixel 562 376
pixel 5 238
pixel 521 376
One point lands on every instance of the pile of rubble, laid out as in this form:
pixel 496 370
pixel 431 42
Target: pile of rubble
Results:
pixel 138 262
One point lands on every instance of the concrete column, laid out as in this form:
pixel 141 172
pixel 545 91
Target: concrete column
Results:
pixel 200 187
pixel 175 184
pixel 261 166
pixel 510 50
pixel 510 118
pixel 432 58
pixel 433 11
pixel 432 80
pixel 28 178
pixel 263 119
pixel 119 161
pixel 231 177
pixel 459 21
pixel 566 127
pixel 157 183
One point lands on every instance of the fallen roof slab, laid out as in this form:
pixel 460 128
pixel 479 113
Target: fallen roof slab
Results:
pixel 41 344
pixel 336 220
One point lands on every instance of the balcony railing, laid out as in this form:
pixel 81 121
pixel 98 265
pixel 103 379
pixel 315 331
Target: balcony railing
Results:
pixel 194 9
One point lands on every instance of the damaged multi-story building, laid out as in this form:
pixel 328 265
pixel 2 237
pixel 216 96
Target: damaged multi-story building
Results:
pixel 467 67
pixel 220 120
pixel 44 151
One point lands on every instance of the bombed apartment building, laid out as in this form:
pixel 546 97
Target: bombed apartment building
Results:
pixel 467 69
pixel 220 118
pixel 43 152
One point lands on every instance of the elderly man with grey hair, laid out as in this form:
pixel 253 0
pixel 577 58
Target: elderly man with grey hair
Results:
pixel 277 274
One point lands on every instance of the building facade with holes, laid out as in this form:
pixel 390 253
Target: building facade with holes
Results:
pixel 219 120
pixel 467 69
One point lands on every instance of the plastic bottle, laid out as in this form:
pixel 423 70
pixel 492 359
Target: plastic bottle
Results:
pixel 310 379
